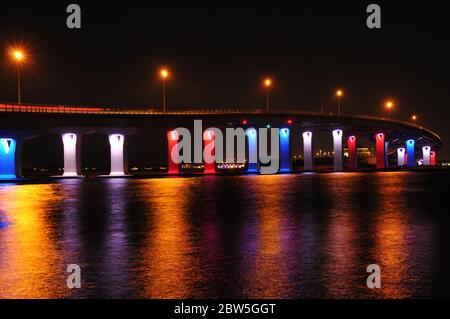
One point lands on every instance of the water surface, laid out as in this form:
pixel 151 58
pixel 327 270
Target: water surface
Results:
pixel 279 236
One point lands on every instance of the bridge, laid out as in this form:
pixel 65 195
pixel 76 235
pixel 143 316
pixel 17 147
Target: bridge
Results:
pixel 21 122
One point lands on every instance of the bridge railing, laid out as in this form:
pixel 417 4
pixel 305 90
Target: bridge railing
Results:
pixel 65 109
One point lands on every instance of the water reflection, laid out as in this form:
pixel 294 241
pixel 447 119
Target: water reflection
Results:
pixel 167 268
pixel 29 257
pixel 282 236
pixel 342 242
pixel 268 251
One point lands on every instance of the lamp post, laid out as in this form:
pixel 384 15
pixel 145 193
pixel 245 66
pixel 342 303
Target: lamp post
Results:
pixel 339 94
pixel 164 75
pixel 389 105
pixel 18 56
pixel 267 84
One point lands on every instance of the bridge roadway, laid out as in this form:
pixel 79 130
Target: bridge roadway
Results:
pixel 19 122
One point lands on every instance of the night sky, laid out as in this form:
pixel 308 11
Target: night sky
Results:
pixel 218 57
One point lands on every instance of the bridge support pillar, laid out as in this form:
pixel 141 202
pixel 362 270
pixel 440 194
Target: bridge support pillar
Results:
pixel 337 148
pixel 173 152
pixel 308 163
pixel 119 158
pixel 285 153
pixel 433 158
pixel 72 154
pixel 386 154
pixel 209 147
pixel 380 149
pixel 411 161
pixel 10 167
pixel 426 152
pixel 352 153
pixel 401 155
pixel 252 140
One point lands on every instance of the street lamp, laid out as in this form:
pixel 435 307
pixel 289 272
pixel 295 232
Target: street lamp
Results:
pixel 267 84
pixel 164 73
pixel 19 57
pixel 339 94
pixel 389 104
pixel 414 118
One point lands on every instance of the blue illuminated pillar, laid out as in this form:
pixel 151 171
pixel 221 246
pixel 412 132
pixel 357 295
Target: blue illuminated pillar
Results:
pixel 8 158
pixel 410 153
pixel 386 154
pixel 285 154
pixel 252 140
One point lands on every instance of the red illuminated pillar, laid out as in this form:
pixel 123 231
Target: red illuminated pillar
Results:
pixel 172 142
pixel 209 152
pixel 433 158
pixel 352 153
pixel 380 150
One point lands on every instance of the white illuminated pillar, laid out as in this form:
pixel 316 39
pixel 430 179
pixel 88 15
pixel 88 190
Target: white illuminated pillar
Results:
pixel 401 156
pixel 117 142
pixel 337 148
pixel 307 151
pixel 426 151
pixel 72 156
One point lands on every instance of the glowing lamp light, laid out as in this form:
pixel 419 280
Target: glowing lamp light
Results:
pixel 267 82
pixel 18 55
pixel 289 121
pixel 339 93
pixel 414 117
pixel 6 143
pixel 164 73
pixel 389 104
pixel 244 122
pixel 268 125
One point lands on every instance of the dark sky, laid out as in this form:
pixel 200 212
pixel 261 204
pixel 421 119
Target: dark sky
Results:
pixel 219 55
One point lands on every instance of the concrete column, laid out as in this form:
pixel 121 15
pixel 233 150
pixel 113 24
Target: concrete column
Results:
pixel 72 154
pixel 285 153
pixel 252 141
pixel 337 148
pixel 380 150
pixel 119 163
pixel 433 158
pixel 209 147
pixel 410 153
pixel 386 154
pixel 426 151
pixel 173 152
pixel 307 151
pixel 352 153
pixel 8 158
pixel 401 156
